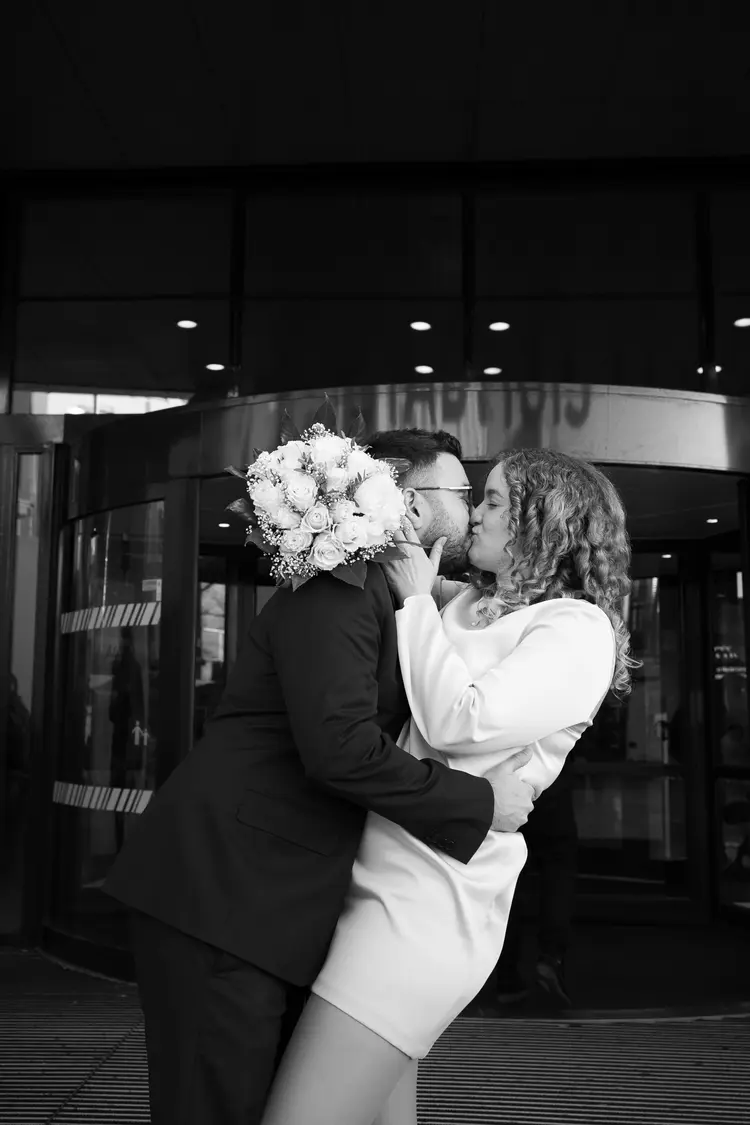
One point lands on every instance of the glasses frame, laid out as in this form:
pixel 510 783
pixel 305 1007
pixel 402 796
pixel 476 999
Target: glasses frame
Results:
pixel 467 488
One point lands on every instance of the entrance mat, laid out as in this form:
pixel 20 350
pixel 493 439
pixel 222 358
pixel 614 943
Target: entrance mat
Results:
pixel 72 1051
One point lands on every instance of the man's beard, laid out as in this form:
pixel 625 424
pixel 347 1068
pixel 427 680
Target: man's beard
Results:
pixel 454 560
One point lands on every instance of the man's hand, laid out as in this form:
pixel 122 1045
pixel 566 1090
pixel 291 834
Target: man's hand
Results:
pixel 514 797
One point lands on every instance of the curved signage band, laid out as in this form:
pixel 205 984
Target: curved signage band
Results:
pixel 134 457
pixel 616 425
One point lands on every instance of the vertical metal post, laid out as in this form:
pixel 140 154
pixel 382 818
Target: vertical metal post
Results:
pixel 238 245
pixel 708 375
pixel 178 624
pixel 468 281
pixel 10 222
pixel 743 502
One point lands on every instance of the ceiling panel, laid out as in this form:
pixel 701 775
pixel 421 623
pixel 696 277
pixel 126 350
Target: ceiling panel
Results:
pixel 182 83
pixel 661 504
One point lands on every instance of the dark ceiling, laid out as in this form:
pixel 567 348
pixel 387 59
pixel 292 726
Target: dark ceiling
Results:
pixel 661 504
pixel 177 83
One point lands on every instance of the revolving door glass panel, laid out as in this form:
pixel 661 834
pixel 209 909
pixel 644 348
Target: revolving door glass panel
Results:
pixel 631 767
pixel 109 683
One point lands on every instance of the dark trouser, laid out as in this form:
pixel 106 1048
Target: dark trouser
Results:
pixel 216 1027
pixel 552 840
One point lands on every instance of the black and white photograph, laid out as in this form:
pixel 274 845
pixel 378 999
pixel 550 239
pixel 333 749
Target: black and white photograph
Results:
pixel 374 563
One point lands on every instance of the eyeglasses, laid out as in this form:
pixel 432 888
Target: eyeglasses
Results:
pixel 467 490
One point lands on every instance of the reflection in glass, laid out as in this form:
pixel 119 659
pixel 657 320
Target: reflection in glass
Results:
pixel 731 743
pixel 15 751
pixel 630 793
pixel 109 668
pixel 733 800
pixel 210 657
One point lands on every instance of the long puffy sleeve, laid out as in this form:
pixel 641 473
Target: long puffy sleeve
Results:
pixel 554 677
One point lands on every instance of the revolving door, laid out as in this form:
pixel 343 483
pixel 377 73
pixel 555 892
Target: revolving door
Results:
pixel 156 591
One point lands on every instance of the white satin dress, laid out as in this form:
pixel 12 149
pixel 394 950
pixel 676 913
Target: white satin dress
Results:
pixel 421 932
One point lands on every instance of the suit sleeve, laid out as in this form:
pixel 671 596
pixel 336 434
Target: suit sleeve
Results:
pixel 326 650
pixel 553 679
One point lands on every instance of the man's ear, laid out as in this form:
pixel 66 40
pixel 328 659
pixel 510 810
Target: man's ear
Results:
pixel 417 509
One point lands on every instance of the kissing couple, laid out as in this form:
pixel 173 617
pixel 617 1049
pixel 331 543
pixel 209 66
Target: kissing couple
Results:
pixel 324 882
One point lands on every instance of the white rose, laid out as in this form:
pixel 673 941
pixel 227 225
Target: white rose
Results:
pixel 316 518
pixel 343 510
pixel 361 464
pixel 295 540
pixel 352 533
pixel 337 479
pixel 380 499
pixel 376 536
pixel 263 463
pixel 301 489
pixel 328 449
pixel 327 552
pixel 266 496
pixel 289 456
pixel 285 517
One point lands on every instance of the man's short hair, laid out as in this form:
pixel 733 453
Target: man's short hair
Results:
pixel 421 448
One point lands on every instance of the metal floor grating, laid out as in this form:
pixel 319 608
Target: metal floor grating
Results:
pixel 70 1061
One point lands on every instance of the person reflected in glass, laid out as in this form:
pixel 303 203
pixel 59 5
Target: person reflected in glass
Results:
pixel 126 713
pixel 18 772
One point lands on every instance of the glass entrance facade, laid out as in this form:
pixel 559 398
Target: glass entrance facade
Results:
pixel 660 784
pixel 108 676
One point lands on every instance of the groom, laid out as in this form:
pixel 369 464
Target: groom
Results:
pixel 238 869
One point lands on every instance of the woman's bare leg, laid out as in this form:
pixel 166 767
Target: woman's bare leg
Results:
pixel 335 1071
pixel 401 1108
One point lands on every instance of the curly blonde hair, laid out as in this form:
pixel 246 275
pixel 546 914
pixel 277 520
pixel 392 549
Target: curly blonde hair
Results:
pixel 567 523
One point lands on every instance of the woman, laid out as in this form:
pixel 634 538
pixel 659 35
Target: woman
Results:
pixel 524 656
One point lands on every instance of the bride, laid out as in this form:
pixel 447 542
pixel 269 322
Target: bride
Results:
pixel 521 657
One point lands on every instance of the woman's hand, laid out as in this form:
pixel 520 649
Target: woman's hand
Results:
pixel 416 572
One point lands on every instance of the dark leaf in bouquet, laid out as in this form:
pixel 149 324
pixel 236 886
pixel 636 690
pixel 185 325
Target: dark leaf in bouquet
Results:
pixel 235 472
pixel 255 536
pixel 357 428
pixel 289 431
pixel 244 509
pixel 299 580
pixel 354 574
pixel 399 464
pixel 326 415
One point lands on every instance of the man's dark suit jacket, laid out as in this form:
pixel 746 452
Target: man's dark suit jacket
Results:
pixel 249 845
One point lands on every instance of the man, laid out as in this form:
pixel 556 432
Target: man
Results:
pixel 239 868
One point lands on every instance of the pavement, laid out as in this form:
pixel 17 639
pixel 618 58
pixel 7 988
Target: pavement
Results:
pixel 72 1052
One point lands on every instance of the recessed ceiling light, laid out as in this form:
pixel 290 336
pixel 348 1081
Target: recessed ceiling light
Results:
pixel 718 368
pixel 214 366
pixel 499 326
pixel 742 322
pixel 712 521
pixel 666 556
pixel 420 326
pixel 492 370
pixel 223 525
pixel 422 370
pixel 187 323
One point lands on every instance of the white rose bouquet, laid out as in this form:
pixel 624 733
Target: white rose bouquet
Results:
pixel 319 503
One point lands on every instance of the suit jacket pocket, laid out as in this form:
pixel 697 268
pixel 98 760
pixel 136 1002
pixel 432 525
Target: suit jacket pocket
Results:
pixel 295 823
